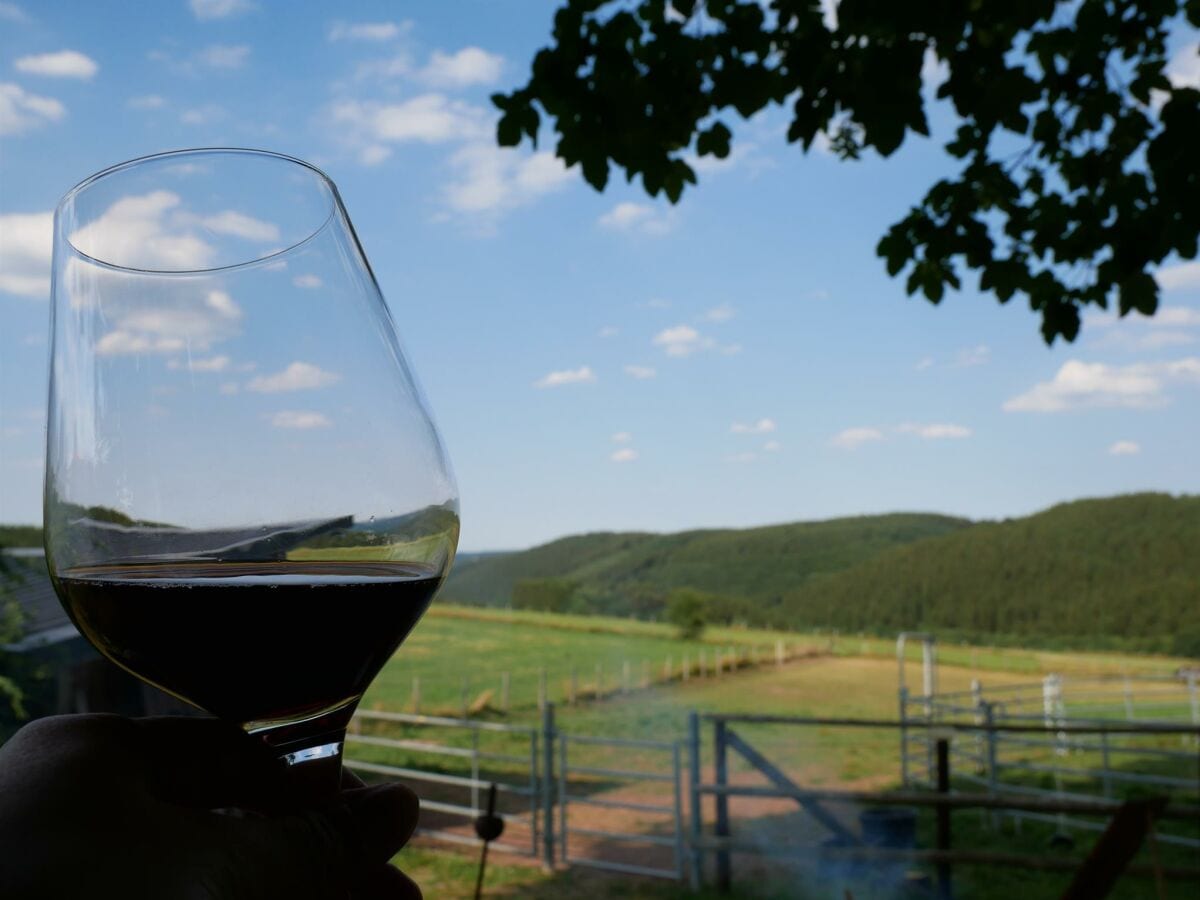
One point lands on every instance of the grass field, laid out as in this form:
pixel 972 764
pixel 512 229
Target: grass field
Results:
pixel 840 676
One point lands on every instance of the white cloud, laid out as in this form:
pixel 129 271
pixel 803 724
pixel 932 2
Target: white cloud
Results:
pixel 212 364
pixel 938 431
pixel 1184 68
pixel 1079 384
pixel 224 56
pixel 582 375
pixel 488 178
pixel 26 244
pixel 772 446
pixel 367 31
pixel 1125 448
pixel 373 154
pixel 762 426
pixel 63 64
pixel 622 437
pixel 470 65
pixel 307 281
pixel 120 342
pixel 12 13
pixel 722 313
pixel 608 331
pixel 395 66
pixel 21 111
pixel 624 455
pixel 638 217
pixel 925 362
pixel 229 388
pixel 207 10
pixel 682 340
pixel 239 225
pixel 182 320
pixel 134 233
pixel 973 356
pixel 1181 277
pixel 640 372
pixel 853 438
pixel 146 101
pixel 298 376
pixel 202 115
pixel 428 118
pixel 299 419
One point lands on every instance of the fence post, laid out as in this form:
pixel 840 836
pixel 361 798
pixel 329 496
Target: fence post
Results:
pixel 549 735
pixel 989 717
pixel 903 698
pixel 475 770
pixel 1195 700
pixel 416 695
pixel 696 861
pixel 543 698
pixel 563 794
pixel 677 806
pixel 625 676
pixel 717 662
pixel 779 653
pixel 505 680
pixel 721 768
pixel 1104 764
pixel 977 702
pixel 943 818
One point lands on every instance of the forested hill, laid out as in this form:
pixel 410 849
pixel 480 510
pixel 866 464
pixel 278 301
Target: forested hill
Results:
pixel 1120 571
pixel 760 564
pixel 1122 567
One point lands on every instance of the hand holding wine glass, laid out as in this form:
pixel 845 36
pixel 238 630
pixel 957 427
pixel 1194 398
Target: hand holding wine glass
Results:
pixel 247 503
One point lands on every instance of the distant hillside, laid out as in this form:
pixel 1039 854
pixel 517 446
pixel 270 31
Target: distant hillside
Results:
pixel 1118 568
pixel 758 564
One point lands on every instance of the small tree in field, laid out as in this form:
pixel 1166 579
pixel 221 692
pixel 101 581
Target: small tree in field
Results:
pixel 687 611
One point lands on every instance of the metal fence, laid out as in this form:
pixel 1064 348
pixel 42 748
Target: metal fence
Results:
pixel 1093 738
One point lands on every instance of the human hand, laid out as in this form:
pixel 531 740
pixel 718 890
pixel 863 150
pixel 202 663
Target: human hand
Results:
pixel 103 806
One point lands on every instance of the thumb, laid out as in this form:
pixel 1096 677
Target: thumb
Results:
pixel 321 853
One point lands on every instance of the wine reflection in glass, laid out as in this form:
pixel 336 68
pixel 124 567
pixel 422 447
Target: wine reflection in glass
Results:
pixel 247 503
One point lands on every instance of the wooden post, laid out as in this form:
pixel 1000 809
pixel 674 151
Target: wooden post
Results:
pixel 416 695
pixel 549 735
pixel 505 684
pixel 721 765
pixel 779 654
pixel 695 808
pixel 943 818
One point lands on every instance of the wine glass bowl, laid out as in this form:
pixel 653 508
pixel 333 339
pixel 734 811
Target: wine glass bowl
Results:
pixel 247 502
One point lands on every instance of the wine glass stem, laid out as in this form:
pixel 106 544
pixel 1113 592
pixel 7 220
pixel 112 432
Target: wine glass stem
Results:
pixel 314 772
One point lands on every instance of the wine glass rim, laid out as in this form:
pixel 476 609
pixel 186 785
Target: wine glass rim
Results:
pixel 199 151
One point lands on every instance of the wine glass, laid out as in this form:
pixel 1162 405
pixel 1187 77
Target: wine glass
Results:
pixel 247 503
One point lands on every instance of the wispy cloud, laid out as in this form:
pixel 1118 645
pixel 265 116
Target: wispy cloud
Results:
pixel 608 331
pixel 146 101
pixel 202 115
pixel 300 419
pixel 211 364
pixel 488 179
pixel 208 10
pixel 308 281
pixel 853 438
pixel 238 224
pixel 640 372
pixel 925 362
pixel 427 118
pixel 1182 277
pixel 10 12
pixel 972 356
pixel 26 244
pixel 223 56
pixel 762 426
pixel 622 437
pixel 368 31
pixel 1125 448
pixel 582 375
pixel 641 218
pixel 63 64
pixel 22 111
pixel 298 376
pixel 722 313
pixel 624 455
pixel 935 432
pixel 682 340
pixel 1081 385
pixel 772 446
pixel 469 66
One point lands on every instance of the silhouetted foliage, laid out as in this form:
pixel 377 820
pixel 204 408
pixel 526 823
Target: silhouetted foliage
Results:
pixel 1078 156
pixel 686 610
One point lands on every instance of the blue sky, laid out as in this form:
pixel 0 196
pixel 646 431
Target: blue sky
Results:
pixel 596 361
